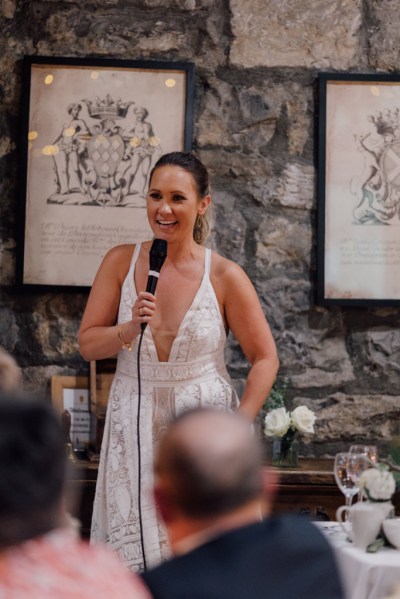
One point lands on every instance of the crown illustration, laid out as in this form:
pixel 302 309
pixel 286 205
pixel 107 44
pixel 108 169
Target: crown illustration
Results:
pixel 107 108
pixel 387 122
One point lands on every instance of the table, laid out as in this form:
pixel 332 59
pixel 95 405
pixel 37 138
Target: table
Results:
pixel 365 575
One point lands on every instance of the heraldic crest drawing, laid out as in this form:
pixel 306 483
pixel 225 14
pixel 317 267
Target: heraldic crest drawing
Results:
pixel 102 161
pixel 378 186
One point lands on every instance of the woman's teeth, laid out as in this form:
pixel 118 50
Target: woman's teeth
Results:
pixel 167 223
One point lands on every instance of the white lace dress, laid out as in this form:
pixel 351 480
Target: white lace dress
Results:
pixel 194 375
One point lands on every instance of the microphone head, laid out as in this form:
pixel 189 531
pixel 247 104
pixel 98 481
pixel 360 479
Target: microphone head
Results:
pixel 158 253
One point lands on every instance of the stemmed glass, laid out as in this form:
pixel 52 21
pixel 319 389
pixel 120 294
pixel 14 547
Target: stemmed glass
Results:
pixel 343 470
pixel 367 457
pixel 368 450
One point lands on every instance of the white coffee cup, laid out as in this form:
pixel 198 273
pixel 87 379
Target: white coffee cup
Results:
pixel 363 525
pixel 391 528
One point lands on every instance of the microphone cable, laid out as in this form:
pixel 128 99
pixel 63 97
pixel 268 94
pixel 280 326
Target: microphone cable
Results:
pixel 157 254
pixel 138 448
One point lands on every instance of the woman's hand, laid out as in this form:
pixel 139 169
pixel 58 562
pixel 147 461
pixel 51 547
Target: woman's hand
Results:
pixel 142 312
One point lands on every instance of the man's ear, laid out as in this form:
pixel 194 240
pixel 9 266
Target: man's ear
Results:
pixel 163 504
pixel 270 483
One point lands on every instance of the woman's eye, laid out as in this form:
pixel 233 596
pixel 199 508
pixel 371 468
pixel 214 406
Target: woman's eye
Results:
pixel 178 198
pixel 154 195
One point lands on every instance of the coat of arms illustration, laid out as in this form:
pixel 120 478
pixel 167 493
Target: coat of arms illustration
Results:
pixel 378 187
pixel 103 163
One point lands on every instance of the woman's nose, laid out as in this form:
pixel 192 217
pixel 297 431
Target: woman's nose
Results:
pixel 165 207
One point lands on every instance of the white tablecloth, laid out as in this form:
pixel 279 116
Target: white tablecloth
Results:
pixel 365 575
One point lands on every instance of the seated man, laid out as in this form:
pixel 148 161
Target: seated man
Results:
pixel 40 557
pixel 209 485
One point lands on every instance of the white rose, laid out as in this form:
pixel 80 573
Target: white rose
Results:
pixel 303 419
pixel 378 484
pixel 277 422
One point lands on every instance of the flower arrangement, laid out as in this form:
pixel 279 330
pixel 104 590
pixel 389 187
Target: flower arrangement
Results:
pixel 378 483
pixel 281 424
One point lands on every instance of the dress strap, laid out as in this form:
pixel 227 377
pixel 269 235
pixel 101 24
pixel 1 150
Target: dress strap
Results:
pixel 135 254
pixel 207 262
pixel 131 272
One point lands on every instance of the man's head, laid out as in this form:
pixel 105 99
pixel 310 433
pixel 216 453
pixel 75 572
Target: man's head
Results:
pixel 208 467
pixel 32 469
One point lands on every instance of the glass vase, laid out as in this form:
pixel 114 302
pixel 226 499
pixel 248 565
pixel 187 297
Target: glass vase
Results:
pixel 287 457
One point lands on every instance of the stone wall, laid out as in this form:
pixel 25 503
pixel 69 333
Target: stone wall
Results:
pixel 257 63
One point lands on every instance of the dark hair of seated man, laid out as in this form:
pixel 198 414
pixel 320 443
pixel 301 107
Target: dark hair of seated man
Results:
pixel 32 469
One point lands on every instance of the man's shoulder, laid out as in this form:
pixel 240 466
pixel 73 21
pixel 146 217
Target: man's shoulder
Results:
pixel 286 529
pixel 260 540
pixel 244 562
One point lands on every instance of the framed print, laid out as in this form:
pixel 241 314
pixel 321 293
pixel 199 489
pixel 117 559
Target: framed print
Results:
pixel 91 132
pixel 359 190
pixel 71 393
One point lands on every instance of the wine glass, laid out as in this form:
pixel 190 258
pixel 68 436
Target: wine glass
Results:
pixel 343 470
pixel 368 456
pixel 370 451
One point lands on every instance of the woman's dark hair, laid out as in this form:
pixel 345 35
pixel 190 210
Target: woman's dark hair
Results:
pixel 196 168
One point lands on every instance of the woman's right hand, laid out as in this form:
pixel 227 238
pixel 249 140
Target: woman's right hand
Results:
pixel 142 312
pixel 143 309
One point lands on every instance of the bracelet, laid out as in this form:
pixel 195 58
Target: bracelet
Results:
pixel 124 344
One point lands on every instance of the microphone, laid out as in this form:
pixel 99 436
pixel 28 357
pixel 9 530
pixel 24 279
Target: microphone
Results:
pixel 158 253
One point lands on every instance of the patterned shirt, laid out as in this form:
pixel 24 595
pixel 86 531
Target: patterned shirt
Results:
pixel 60 566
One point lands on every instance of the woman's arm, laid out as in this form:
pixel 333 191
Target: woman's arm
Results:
pixel 245 318
pixel 99 335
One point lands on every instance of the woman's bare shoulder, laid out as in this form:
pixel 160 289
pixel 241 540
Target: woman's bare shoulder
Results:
pixel 120 253
pixel 225 269
pixel 117 260
pixel 228 279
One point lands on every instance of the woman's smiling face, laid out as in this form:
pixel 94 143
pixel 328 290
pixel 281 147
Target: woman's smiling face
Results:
pixel 173 203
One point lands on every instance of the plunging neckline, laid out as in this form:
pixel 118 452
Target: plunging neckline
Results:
pixel 148 333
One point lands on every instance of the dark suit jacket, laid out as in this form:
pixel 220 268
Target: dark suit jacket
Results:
pixel 283 557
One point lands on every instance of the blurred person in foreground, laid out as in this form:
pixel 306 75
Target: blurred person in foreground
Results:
pixel 40 556
pixel 210 487
pixel 10 373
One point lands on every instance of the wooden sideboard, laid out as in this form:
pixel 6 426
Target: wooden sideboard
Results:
pixel 80 491
pixel 310 488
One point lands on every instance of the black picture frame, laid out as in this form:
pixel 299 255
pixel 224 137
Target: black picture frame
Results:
pixel 91 130
pixel 358 190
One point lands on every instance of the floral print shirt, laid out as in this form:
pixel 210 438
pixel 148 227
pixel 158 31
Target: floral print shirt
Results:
pixel 60 566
